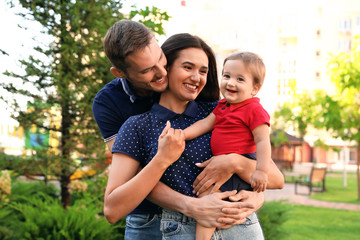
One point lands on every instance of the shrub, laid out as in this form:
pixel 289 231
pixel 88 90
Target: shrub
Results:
pixel 272 215
pixel 31 189
pixel 42 217
pixel 5 187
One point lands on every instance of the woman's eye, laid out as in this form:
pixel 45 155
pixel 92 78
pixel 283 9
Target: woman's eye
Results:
pixel 187 67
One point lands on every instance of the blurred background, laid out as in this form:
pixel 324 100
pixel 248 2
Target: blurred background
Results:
pixel 53 65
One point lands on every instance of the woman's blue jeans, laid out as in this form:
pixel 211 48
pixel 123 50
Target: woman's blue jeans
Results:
pixel 143 227
pixel 176 226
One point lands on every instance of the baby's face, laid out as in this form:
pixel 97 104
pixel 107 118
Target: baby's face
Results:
pixel 237 83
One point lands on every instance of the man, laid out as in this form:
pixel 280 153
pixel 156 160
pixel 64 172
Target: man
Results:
pixel 138 64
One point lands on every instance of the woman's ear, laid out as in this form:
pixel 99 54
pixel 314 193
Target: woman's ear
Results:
pixel 117 72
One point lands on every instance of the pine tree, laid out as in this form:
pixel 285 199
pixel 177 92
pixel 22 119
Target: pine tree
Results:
pixel 61 91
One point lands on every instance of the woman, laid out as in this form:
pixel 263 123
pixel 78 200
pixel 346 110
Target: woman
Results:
pixel 142 141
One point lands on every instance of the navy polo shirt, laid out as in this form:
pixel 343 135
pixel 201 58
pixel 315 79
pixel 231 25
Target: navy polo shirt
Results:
pixel 112 106
pixel 138 138
pixel 115 103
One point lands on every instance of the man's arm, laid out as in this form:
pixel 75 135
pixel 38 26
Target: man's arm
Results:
pixel 206 210
pixel 110 144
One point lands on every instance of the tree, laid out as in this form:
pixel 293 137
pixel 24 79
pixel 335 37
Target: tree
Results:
pixel 345 73
pixel 60 90
pixel 338 114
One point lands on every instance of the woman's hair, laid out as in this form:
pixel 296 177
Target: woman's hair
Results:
pixel 174 44
pixel 253 62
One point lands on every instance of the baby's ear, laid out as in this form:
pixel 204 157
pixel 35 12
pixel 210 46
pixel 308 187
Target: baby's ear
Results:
pixel 256 89
pixel 117 72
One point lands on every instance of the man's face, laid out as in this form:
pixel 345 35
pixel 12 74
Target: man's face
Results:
pixel 146 70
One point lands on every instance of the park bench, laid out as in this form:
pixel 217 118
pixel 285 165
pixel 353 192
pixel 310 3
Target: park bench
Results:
pixel 299 170
pixel 316 180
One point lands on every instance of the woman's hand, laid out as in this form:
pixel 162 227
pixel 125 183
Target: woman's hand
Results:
pixel 236 216
pixel 218 170
pixel 171 144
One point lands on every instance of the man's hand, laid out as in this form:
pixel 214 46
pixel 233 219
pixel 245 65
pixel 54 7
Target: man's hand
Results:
pixel 217 170
pixel 208 210
pixel 234 216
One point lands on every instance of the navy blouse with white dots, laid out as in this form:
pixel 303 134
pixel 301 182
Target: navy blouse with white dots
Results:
pixel 138 138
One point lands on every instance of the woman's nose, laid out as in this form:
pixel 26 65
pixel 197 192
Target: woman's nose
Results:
pixel 195 77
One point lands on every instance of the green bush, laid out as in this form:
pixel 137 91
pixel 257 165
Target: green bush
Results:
pixel 11 162
pixel 272 215
pixel 42 217
pixel 30 189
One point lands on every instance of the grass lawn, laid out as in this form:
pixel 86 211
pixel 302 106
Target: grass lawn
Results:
pixel 304 222
pixel 335 192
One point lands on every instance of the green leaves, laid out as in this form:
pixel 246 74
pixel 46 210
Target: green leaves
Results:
pixel 61 80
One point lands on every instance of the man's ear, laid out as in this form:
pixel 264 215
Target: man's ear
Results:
pixel 117 72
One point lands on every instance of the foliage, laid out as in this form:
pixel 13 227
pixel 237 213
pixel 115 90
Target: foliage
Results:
pixel 5 187
pixel 272 216
pixel 43 217
pixel 338 114
pixel 23 190
pixel 35 212
pixel 10 162
pixel 62 78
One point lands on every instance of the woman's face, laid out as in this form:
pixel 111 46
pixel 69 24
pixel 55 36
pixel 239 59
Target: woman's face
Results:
pixel 187 76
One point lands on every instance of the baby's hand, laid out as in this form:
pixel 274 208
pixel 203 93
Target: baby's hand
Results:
pixel 259 180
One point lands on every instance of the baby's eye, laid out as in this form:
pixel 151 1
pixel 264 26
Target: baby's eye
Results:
pixel 240 79
pixel 226 76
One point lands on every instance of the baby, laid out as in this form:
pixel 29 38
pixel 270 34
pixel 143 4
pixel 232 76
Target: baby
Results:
pixel 239 123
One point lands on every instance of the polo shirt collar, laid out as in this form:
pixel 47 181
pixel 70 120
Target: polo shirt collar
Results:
pixel 133 97
pixel 166 114
pixel 238 105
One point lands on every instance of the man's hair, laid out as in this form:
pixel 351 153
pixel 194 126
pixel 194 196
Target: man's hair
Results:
pixel 172 47
pixel 253 62
pixel 124 38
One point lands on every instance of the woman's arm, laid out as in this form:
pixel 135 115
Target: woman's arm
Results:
pixel 219 169
pixel 126 188
pixel 211 210
pixel 200 127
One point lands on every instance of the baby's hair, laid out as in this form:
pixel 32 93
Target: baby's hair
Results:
pixel 253 62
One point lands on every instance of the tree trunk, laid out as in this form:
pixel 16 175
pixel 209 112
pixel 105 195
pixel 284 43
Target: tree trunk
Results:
pixel 65 193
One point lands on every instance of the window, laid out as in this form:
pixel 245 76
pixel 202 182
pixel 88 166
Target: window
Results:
pixel 318 53
pixel 317 75
pixel 345 25
pixel 344 45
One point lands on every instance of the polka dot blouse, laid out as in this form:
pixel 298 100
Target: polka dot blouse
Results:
pixel 138 138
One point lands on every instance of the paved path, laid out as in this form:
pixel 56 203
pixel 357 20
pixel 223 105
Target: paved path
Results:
pixel 288 194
